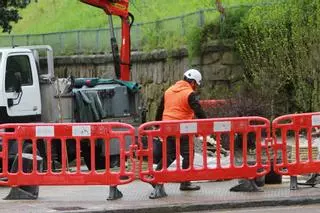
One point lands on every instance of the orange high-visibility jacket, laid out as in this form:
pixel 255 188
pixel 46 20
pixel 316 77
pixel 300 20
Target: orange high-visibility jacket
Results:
pixel 176 105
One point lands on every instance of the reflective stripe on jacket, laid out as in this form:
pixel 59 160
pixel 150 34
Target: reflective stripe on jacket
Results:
pixel 176 106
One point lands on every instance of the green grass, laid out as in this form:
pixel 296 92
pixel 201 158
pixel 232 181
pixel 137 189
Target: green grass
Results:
pixel 62 15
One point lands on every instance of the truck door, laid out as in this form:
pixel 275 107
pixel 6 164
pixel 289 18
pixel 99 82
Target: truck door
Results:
pixel 21 70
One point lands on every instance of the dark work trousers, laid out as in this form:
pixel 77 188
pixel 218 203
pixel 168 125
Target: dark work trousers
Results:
pixel 171 152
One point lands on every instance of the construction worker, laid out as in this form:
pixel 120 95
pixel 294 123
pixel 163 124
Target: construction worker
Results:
pixel 179 102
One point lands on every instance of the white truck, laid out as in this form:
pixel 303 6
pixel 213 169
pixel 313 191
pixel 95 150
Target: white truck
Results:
pixel 29 93
pixel 20 98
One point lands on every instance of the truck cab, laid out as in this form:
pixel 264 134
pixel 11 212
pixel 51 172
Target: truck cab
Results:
pixel 20 99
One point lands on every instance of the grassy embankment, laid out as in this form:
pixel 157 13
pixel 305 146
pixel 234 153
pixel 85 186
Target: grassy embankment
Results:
pixel 62 15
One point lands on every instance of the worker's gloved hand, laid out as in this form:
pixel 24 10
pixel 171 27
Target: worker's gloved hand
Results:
pixel 210 140
pixel 213 143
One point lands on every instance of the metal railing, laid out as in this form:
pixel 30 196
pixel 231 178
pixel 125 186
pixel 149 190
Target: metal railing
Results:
pixel 97 40
pixel 167 32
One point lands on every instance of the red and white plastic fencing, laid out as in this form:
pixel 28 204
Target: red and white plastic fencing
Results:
pixel 62 137
pixel 295 144
pixel 248 139
pixel 235 131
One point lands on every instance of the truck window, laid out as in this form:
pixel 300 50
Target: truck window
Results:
pixel 18 63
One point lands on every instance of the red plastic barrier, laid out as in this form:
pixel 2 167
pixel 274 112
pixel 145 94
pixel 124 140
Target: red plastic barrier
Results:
pixel 62 143
pixel 234 132
pixel 296 145
pixel 219 108
pixel 212 103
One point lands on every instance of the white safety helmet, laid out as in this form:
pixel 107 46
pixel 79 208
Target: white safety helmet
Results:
pixel 193 74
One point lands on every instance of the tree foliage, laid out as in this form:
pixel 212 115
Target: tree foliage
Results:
pixel 9 12
pixel 280 48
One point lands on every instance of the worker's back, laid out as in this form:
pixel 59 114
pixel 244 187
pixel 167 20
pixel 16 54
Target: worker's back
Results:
pixel 176 106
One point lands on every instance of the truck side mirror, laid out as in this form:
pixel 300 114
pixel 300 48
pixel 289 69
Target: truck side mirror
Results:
pixel 17 85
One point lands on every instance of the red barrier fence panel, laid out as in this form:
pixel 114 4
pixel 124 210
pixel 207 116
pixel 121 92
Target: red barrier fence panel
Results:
pixel 66 154
pixel 230 148
pixel 213 103
pixel 216 108
pixel 296 144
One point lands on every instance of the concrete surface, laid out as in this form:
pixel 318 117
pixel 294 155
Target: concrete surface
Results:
pixel 213 195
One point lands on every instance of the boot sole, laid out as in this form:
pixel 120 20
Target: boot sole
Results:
pixel 195 189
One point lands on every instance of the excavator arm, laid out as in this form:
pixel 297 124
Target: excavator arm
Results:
pixel 118 8
pixel 121 8
pixel 111 7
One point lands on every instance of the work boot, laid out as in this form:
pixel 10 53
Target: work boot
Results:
pixel 188 186
pixel 246 185
pixel 313 180
pixel 158 192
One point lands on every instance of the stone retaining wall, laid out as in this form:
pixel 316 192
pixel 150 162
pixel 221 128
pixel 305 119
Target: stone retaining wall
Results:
pixel 158 69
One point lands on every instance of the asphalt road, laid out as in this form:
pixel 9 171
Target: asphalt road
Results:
pixel 277 209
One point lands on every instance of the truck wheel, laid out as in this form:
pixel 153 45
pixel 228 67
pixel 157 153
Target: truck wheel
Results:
pixel 26 149
pixel 29 192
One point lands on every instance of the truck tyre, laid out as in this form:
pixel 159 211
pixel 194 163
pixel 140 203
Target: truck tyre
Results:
pixel 28 192
pixel 28 149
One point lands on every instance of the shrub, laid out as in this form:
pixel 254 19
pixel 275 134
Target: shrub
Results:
pixel 278 45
